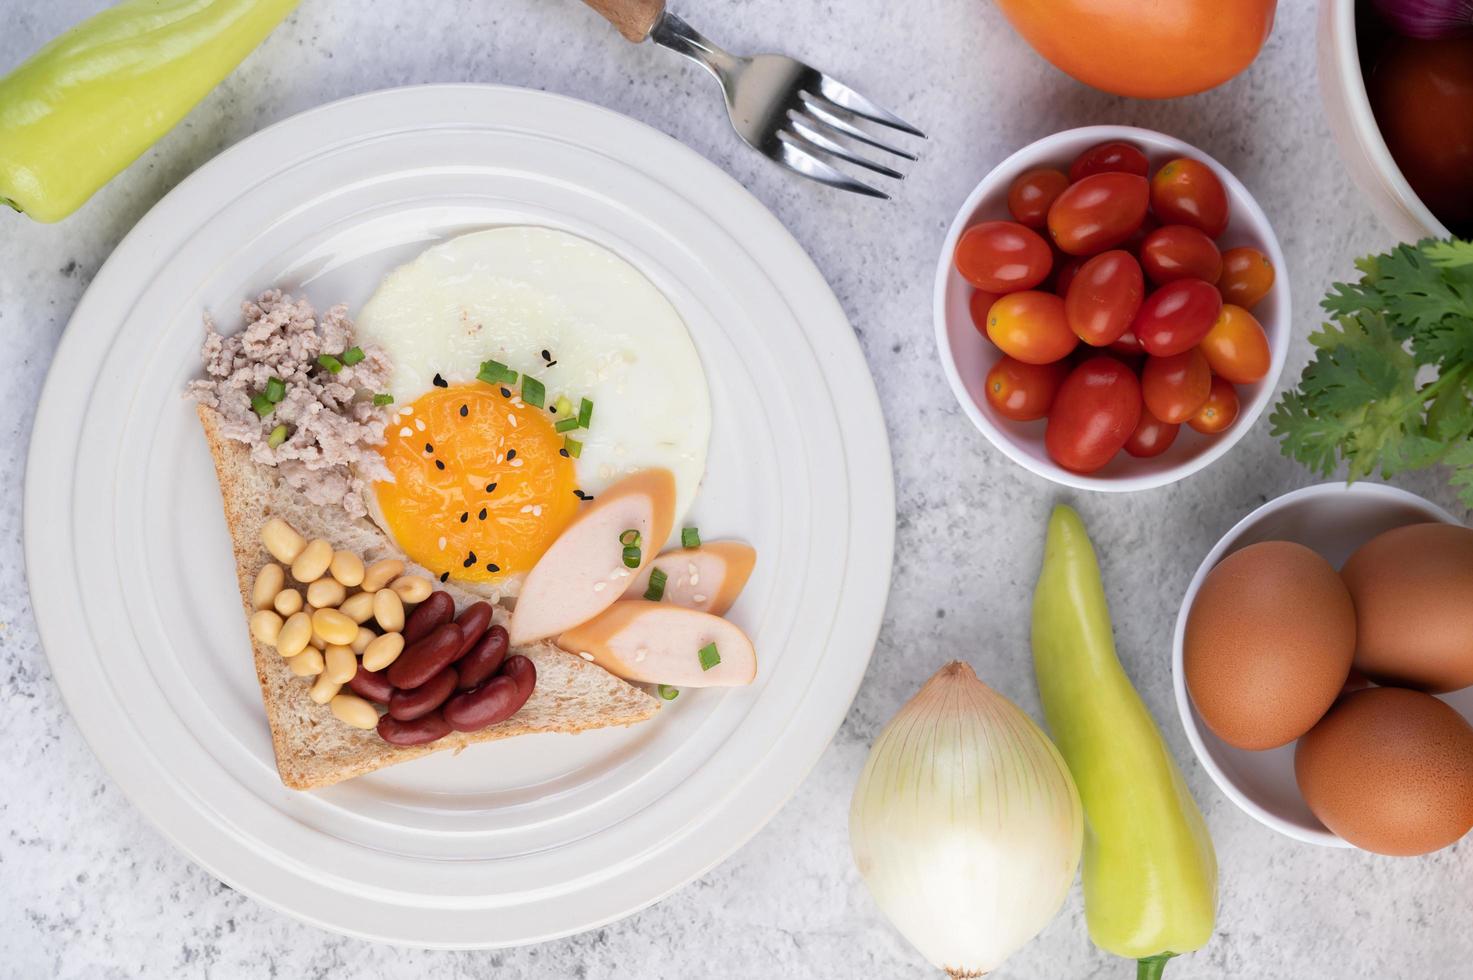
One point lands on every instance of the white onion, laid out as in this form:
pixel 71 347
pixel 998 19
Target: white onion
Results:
pixel 966 824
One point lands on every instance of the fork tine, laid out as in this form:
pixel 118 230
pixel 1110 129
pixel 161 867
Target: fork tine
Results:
pixel 817 113
pixel 846 98
pixel 816 139
pixel 805 163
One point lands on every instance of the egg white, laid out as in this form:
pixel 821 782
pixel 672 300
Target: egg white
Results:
pixel 509 294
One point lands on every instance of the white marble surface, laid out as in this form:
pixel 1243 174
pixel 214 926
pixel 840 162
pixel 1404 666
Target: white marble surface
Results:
pixel 88 889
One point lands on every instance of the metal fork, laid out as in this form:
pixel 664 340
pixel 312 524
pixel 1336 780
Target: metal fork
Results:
pixel 794 114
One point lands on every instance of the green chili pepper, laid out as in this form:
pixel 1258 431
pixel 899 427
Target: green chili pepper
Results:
pixel 90 102
pixel 1150 874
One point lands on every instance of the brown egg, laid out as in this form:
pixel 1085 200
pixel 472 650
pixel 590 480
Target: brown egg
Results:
pixel 1268 644
pixel 1390 770
pixel 1413 592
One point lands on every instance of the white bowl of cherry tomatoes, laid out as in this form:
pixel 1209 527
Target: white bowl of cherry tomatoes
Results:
pixel 1111 308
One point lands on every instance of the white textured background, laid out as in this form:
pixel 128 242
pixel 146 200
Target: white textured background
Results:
pixel 87 889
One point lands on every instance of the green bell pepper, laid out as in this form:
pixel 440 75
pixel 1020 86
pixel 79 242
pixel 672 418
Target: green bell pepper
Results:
pixel 1150 874
pixel 90 102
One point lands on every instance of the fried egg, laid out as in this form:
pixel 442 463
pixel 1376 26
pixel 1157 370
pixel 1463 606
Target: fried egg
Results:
pixel 483 479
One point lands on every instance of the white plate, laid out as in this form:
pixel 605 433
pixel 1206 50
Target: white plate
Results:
pixel 512 842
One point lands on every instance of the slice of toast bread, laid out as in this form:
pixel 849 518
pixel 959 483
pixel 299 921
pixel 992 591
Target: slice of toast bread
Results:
pixel 313 748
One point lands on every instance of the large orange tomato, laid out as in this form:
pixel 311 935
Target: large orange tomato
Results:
pixel 1157 50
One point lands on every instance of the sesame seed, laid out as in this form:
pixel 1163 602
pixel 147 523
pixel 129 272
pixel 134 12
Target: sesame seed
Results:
pixel 505 392
pixel 640 654
pixel 439 464
pixel 600 586
pixel 406 432
pixel 586 656
pixel 699 598
pixel 444 576
pixel 511 454
pixel 429 448
pixel 482 514
pixel 490 488
pixel 419 424
pixel 563 453
pixel 526 509
pixel 537 510
pixel 464 411
pixel 516 462
pixel 512 421
pixel 546 356
pixel 464 517
pixel 442 544
pixel 492 567
pixel 441 382
pixel 470 560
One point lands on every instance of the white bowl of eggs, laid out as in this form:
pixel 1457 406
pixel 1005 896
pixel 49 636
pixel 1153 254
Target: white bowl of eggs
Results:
pixel 1304 652
pixel 1241 240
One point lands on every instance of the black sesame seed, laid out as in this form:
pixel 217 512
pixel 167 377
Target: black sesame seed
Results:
pixel 545 355
pixel 444 576
pixel 505 392
pixel 490 488
pixel 439 464
pixel 441 382
pixel 429 448
pixel 511 454
pixel 562 452
pixel 470 560
pixel 579 494
pixel 493 567
pixel 482 514
pixel 464 517
pixel 552 363
pixel 464 411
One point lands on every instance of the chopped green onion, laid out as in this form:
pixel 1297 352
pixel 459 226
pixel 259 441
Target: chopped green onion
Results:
pixel 585 412
pixel 630 538
pixel 563 406
pixel 329 363
pixel 275 390
pixel 495 373
pixel 656 591
pixel 383 399
pixel 709 657
pixel 565 425
pixel 632 556
pixel 533 392
pixel 690 537
pixel 352 355
pixel 262 405
pixel 573 446
pixel 278 436
pixel 669 693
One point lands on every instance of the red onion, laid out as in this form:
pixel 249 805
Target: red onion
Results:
pixel 1428 19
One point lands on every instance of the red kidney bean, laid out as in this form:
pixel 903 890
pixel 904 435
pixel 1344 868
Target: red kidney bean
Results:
pixel 409 705
pixel 473 620
pixel 435 611
pixel 371 684
pixel 484 659
pixel 426 658
pixel 494 701
pixel 426 728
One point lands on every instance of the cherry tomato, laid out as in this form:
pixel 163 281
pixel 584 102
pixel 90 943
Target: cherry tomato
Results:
pixel 1098 213
pixel 1024 392
pixel 1174 252
pixel 1095 411
pixel 1247 276
pixel 1003 257
pixel 1236 347
pixel 1187 192
pixel 1065 269
pixel 1151 437
pixel 1116 156
pixel 1219 411
pixel 978 304
pixel 1175 387
pixel 1177 316
pixel 1033 193
pixel 1104 297
pixel 1031 327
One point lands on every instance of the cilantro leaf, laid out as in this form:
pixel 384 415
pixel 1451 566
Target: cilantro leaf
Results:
pixel 1460 458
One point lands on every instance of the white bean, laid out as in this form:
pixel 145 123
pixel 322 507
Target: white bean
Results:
pixel 288 602
pixel 388 609
pixel 363 639
pixel 312 563
pixel 383 651
pixel 334 627
pixel 381 573
pixel 342 663
pixel 412 588
pixel 326 593
pixel 282 540
pixel 269 581
pixel 358 607
pixel 295 634
pixel 353 710
pixel 308 663
pixel 265 626
pixel 324 689
pixel 347 568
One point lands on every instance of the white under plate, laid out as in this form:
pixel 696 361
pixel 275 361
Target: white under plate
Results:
pixel 133 583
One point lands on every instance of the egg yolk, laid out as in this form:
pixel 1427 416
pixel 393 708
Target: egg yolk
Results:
pixel 481 488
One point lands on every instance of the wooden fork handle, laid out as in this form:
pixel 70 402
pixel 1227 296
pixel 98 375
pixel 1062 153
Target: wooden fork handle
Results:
pixel 634 18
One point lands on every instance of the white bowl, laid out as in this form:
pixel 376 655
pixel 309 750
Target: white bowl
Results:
pixel 1333 519
pixel 966 355
pixel 1343 89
